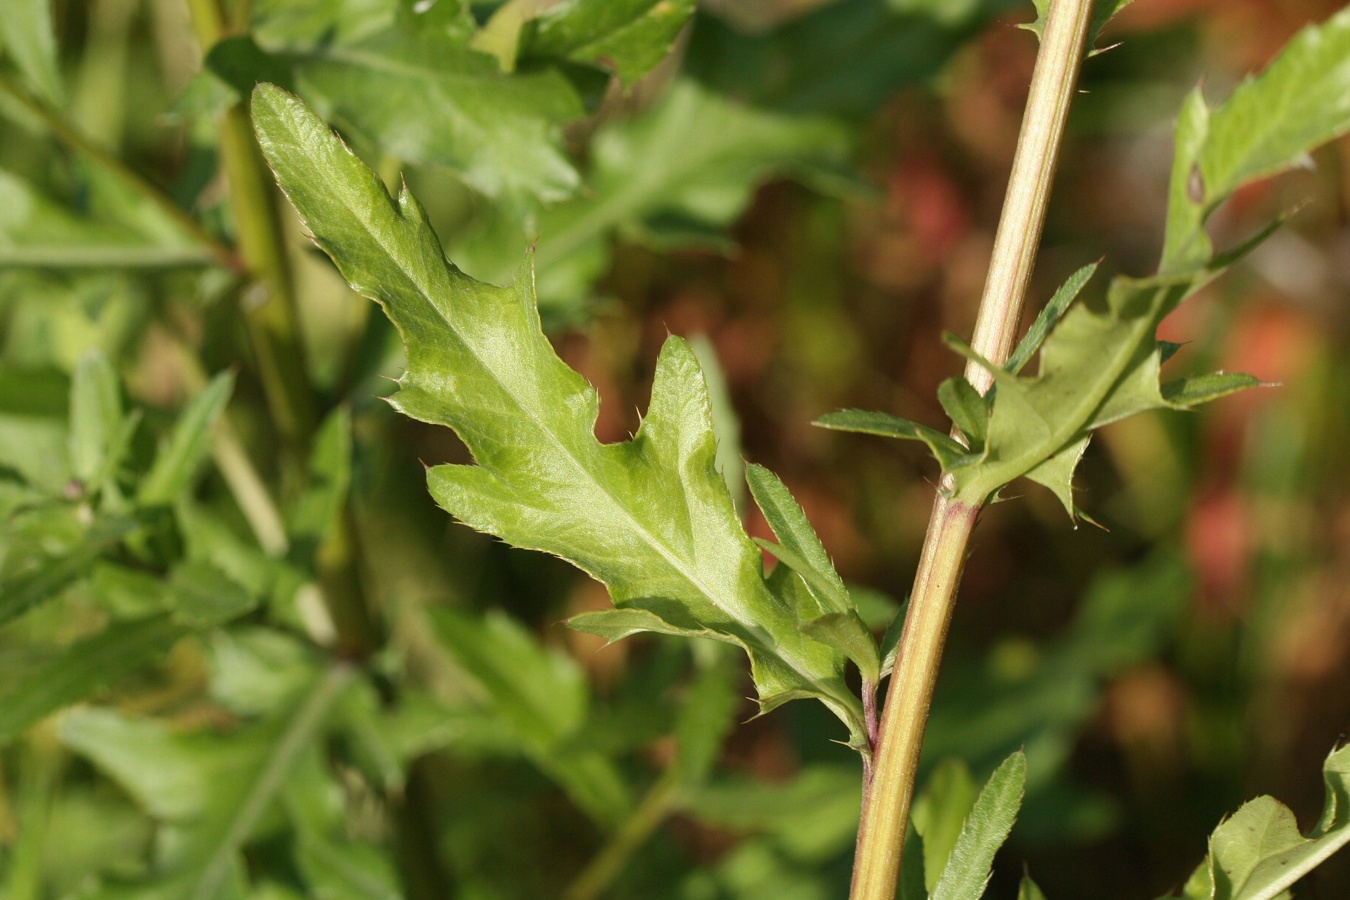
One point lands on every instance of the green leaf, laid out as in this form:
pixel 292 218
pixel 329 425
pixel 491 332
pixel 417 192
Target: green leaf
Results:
pixel 209 795
pixel 1269 124
pixel 939 814
pixel 1258 853
pixel 29 41
pixel 1048 318
pixel 1099 364
pixel 95 419
pixel 946 451
pixel 502 132
pixel 968 867
pixel 85 668
pixel 1027 890
pixel 967 409
pixel 36 230
pixel 890 641
pixel 706 716
pixel 650 517
pixel 1056 473
pixel 647 180
pixel 330 471
pixel 628 36
pixel 543 697
pixel 188 445
pixel 1188 392
pixel 793 529
pixel 28 581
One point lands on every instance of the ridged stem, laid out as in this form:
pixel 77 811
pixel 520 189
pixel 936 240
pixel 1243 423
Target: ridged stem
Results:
pixel 889 792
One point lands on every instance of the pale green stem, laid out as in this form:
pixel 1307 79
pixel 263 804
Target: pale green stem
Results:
pixel 601 871
pixel 889 792
pixel 269 307
pixel 241 476
pixel 1033 172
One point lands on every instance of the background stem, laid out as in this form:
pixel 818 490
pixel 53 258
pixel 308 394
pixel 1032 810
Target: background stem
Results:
pixel 887 798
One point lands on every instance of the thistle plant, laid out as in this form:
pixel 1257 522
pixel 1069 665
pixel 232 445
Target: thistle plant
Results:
pixel 199 603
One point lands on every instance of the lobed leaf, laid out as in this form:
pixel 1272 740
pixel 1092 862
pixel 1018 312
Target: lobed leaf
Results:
pixel 650 517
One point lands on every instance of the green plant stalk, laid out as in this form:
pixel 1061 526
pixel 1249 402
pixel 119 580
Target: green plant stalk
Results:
pixel 220 252
pixel 606 865
pixel 269 307
pixel 888 793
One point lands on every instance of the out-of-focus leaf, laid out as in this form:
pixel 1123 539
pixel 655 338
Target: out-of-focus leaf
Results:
pixel 1124 619
pixel 991 818
pixel 259 671
pixel 543 696
pixel 1258 852
pixel 813 815
pixel 627 36
pixel 502 132
pixel 1269 124
pixel 201 595
pixel 35 230
pixel 690 166
pixel 940 812
pixel 29 41
pixel 31 579
pixel 330 473
pixel 334 866
pixel 650 517
pixel 705 718
pixel 85 668
pixel 96 427
pixel 1027 890
pixel 188 446
pixel 210 795
pixel 844 59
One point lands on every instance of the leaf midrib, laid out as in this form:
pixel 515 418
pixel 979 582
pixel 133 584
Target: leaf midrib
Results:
pixel 648 537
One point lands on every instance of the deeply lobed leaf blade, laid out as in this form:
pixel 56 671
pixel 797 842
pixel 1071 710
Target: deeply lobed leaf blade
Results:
pixel 650 517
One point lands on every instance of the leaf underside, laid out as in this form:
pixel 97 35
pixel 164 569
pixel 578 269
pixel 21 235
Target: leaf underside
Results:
pixel 650 517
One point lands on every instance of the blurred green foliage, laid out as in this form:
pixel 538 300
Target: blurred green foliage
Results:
pixel 248 661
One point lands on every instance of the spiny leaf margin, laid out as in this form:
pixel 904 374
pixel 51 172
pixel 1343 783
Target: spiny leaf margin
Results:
pixel 649 517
